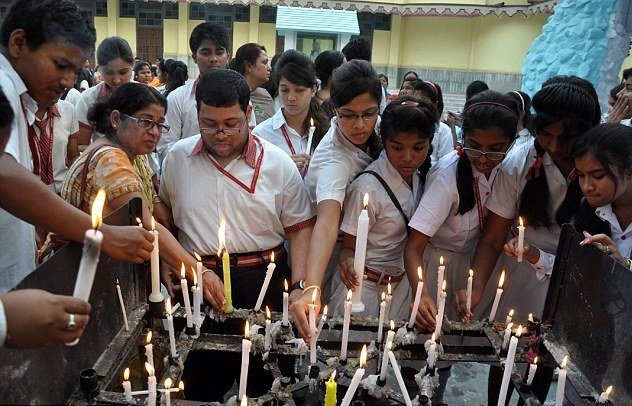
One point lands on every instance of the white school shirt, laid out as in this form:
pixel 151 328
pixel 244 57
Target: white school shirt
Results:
pixel 442 143
pixel 387 227
pixel 87 99
pixel 181 117
pixel 73 96
pixel 3 325
pixel 17 238
pixel 437 215
pixel 523 137
pixel 198 193
pixel 623 238
pixel 270 130
pixel 333 166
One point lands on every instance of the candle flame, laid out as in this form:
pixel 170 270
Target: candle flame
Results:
pixel 511 313
pixel 195 281
pixel 502 279
pixel 285 283
pixel 535 360
pixel 247 330
pixel 333 376
pixel 432 339
pixel 325 309
pixel 609 390
pixel 564 361
pixel 168 305
pixel 420 273
pixel 471 273
pixel 441 261
pixel 363 356
pixel 443 287
pixel 221 234
pixel 349 295
pixel 244 401
pixel 183 272
pixel 272 257
pixel 153 224
pixel 181 386
pixel 168 383
pixel 520 221
pixel 530 317
pixel 314 296
pixel 117 281
pixel 383 296
pixel 311 122
pixel 389 288
pixel 149 337
pixel 126 374
pixel 139 221
pixel 392 325
pixel 197 257
pixel 149 368
pixel 97 209
pixel 268 312
pixel 509 326
pixel 366 200
pixel 519 332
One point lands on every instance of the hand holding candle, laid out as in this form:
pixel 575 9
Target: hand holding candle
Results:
pixel 499 292
pixel 418 292
pixel 520 239
pixel 355 381
pixel 360 254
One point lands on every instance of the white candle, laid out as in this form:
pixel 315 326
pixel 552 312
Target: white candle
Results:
pixel 185 296
pixel 389 299
pixel 468 294
pixel 533 368
pixel 441 306
pixel 321 324
pixel 120 296
pixel 441 272
pixel 310 136
pixel 509 317
pixel 127 386
pixel 245 361
pixel 418 292
pixel 499 292
pixel 266 282
pixel 360 254
pixel 312 329
pixel 355 381
pixel 509 363
pixel 268 337
pixel 91 250
pixel 387 346
pixel 432 352
pixel 151 385
pixel 520 239
pixel 244 401
pixel 155 295
pixel 605 396
pixel 561 383
pixel 380 323
pixel 400 379
pixel 197 299
pixel 149 350
pixel 286 302
pixel 199 267
pixel 172 335
pixel 345 325
pixel 168 383
pixel 507 336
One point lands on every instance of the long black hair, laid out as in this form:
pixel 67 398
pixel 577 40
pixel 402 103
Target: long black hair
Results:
pixel 573 102
pixel 433 92
pixel 178 75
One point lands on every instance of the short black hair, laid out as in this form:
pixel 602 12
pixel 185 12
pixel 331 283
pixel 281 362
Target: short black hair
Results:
pixel 627 73
pixel 353 79
pixel 382 75
pixel 475 88
pixel 325 64
pixel 47 21
pixel 139 65
pixel 247 53
pixel 358 48
pixel 223 88
pixel 112 48
pixel 218 34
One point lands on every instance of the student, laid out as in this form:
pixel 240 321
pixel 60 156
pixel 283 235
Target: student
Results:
pixel 524 120
pixel 42 45
pixel 384 82
pixel 251 60
pixel 442 143
pixel 289 128
pixel 209 45
pixel 176 75
pixel 408 86
pixel 254 185
pixel 395 183
pixel 326 64
pixel 359 48
pixel 142 72
pixel 346 150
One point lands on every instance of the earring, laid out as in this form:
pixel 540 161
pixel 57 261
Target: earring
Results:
pixel 114 126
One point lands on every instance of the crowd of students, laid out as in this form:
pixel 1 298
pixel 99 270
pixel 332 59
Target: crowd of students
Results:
pixel 285 165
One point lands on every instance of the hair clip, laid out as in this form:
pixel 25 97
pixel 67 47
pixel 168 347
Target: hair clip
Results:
pixel 410 103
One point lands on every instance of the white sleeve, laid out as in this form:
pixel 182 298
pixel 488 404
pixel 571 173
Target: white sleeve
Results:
pixel 435 205
pixel 544 266
pixel 505 194
pixel 332 182
pixel 3 325
pixel 173 118
pixel 81 110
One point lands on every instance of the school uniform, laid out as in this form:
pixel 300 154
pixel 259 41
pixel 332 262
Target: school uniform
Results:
pixel 523 137
pixel 452 236
pixel 73 96
pixel 442 143
pixel 623 238
pixel 181 117
pixel 262 197
pixel 87 99
pixel 276 131
pixel 386 238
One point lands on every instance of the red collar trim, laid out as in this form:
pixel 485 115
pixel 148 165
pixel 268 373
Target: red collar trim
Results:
pixel 197 80
pixel 104 89
pixel 54 111
pixel 249 152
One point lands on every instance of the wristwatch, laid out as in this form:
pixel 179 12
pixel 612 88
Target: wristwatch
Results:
pixel 298 285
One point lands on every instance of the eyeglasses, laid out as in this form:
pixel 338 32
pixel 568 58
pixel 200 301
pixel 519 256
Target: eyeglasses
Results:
pixel 349 118
pixel 492 156
pixel 227 131
pixel 147 124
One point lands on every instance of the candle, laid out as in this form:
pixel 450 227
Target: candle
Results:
pixel 321 324
pixel 330 390
pixel 561 382
pixel 245 361
pixel 268 337
pixel 223 252
pixel 197 299
pixel 499 292
pixel 155 295
pixel 432 352
pixel 345 325
pixel 360 254
pixel 380 324
pixel 149 350
pixel 185 296
pixel 507 336
pixel 520 239
pixel 532 370
pixel 509 364
pixel 172 336
pixel 151 385
pixel 468 293
pixel 127 386
pixel 310 137
pixel 509 316
pixel 389 298
pixel 120 296
pixel 312 329
pixel 441 271
pixel 266 282
pixel 605 396
pixel 400 379
pixel 389 341
pixel 286 303
pixel 168 383
pixel 355 381
pixel 244 401
pixel 442 299
pixel 199 267
pixel 420 288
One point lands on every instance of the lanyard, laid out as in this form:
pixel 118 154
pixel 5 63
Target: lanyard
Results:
pixel 253 183
pixel 479 206
pixel 287 139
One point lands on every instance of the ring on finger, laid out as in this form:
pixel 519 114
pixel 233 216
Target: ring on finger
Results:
pixel 72 324
pixel 607 250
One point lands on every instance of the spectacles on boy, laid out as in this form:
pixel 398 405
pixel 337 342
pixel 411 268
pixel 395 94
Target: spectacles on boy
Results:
pixel 227 131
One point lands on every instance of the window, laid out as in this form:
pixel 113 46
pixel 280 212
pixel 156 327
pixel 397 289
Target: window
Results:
pixel 267 14
pixel 100 8
pixel 382 21
pixel 242 14
pixel 171 11
pixel 196 11
pixel 128 9
pixel 370 22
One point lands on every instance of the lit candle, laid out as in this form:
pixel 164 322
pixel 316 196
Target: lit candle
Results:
pixel 360 254
pixel 389 299
pixel 197 299
pixel 439 322
pixel 120 296
pixel 530 318
pixel 268 336
pixel 355 381
pixel 532 370
pixel 185 295
pixel 245 361
pixel 509 364
pixel 400 379
pixel 155 295
pixel 172 335
pixel 223 252
pixel 168 383
pixel 509 317
pixel 507 336
pixel 127 385
pixel 418 292
pixel 441 272
pixel 151 385
pixel 199 267
pixel 331 388
pixel 266 282
pixel 286 304
pixel 312 329
pixel 149 350
pixel 432 352
pixel 310 136
pixel 468 294
pixel 380 323
pixel 321 323
pixel 389 341
pixel 520 239
pixel 605 396
pixel 345 325
pixel 499 292
pixel 561 382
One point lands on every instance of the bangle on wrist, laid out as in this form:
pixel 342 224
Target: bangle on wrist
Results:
pixel 312 287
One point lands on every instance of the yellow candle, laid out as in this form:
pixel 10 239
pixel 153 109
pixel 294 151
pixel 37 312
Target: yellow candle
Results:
pixel 331 387
pixel 228 295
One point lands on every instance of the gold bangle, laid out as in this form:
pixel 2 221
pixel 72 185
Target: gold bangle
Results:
pixel 312 287
pixel 205 271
